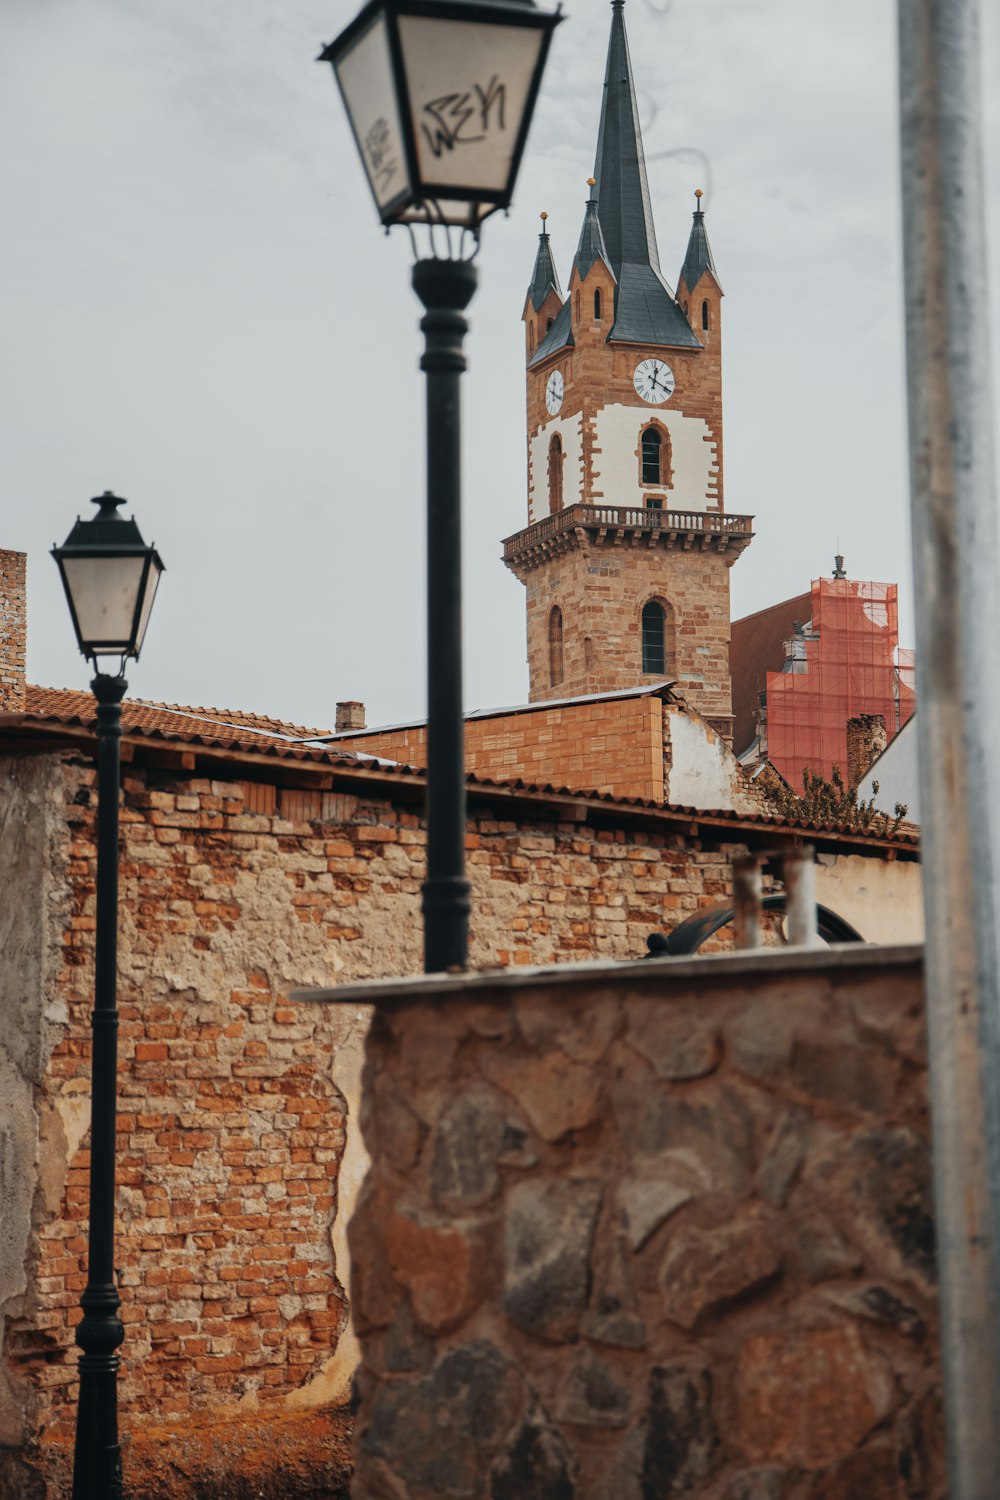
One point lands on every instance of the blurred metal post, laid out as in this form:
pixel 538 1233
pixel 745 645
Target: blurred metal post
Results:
pixel 748 888
pixel 956 551
pixel 799 874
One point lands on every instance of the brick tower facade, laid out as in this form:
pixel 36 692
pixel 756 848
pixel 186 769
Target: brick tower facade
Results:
pixel 628 547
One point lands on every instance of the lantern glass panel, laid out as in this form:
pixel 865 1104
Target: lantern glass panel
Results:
pixel 149 594
pixel 104 592
pixel 469 84
pixel 364 72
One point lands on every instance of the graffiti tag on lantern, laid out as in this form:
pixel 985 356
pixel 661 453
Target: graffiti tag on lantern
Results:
pixel 379 151
pixel 461 119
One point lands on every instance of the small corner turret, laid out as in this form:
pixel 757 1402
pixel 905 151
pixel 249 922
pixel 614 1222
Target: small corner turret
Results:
pixel 592 282
pixel 544 300
pixel 699 290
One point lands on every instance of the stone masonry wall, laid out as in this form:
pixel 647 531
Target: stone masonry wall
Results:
pixel 601 591
pixel 650 1231
pixel 232 1126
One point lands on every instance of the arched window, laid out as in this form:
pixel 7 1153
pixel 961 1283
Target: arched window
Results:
pixel 597 303
pixel 548 323
pixel 704 315
pixel 652 456
pixel 555 473
pixel 657 638
pixel 576 303
pixel 531 338
pixel 555 646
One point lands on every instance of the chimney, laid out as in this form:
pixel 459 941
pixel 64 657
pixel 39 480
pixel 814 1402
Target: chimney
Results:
pixel 866 739
pixel 350 715
pixel 13 631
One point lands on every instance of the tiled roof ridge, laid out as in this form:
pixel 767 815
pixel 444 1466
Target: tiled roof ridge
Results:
pixel 236 719
pixel 318 755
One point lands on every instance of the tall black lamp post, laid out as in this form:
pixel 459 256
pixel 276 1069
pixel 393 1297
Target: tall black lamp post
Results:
pixel 110 578
pixel 440 95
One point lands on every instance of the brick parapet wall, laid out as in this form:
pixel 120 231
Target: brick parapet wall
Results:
pixel 13 630
pixel 613 746
pixel 650 1231
pixel 231 1129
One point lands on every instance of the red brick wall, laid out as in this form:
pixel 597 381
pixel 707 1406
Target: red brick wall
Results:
pixel 612 746
pixel 231 1130
pixel 13 630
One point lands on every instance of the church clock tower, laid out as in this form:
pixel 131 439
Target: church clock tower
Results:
pixel 628 546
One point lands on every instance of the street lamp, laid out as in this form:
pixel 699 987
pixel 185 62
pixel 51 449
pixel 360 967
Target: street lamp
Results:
pixel 440 95
pixel 110 578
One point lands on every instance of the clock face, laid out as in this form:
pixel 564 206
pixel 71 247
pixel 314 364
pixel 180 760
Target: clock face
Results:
pixel 653 381
pixel 554 390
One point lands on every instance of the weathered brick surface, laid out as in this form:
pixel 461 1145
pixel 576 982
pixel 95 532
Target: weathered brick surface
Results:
pixel 704 1203
pixel 231 1130
pixel 615 746
pixel 13 630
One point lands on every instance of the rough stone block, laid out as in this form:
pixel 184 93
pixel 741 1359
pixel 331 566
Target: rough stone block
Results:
pixel 548 1236
pixel 810 1396
pixel 706 1268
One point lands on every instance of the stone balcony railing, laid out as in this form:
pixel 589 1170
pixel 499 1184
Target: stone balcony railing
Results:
pixel 684 529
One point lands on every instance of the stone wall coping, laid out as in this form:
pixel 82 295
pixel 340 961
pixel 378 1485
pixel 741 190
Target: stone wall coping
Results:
pixel 712 970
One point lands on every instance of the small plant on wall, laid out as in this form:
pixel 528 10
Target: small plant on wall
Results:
pixel 834 801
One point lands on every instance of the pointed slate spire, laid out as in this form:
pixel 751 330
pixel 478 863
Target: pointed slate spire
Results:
pixel 620 168
pixel 591 247
pixel 545 278
pixel 698 259
pixel 646 311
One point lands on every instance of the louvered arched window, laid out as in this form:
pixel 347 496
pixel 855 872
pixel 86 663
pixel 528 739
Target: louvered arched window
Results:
pixel 555 473
pixel 555 646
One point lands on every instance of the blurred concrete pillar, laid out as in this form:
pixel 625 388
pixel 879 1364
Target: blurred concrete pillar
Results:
pixel 956 549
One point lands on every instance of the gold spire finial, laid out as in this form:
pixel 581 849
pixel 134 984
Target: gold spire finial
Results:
pixel 591 181
pixel 543 216
pixel 698 193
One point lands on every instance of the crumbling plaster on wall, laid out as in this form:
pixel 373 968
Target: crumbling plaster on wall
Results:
pixel 882 899
pixel 700 769
pixel 34 1140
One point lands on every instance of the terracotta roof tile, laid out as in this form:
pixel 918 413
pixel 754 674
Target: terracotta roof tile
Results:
pixel 69 705
pixel 242 733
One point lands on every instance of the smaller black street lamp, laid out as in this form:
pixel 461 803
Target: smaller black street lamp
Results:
pixel 440 95
pixel 110 578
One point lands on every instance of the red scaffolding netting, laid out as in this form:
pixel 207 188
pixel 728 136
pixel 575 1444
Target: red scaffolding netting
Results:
pixel 844 662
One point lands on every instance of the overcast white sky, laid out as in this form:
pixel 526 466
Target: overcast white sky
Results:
pixel 200 311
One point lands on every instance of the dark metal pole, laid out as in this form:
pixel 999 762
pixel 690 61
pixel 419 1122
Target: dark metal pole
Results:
pixel 445 287
pixel 956 553
pixel 97 1464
